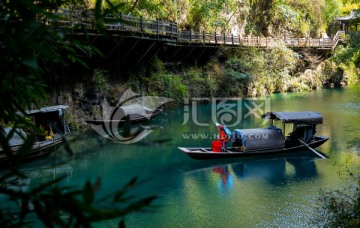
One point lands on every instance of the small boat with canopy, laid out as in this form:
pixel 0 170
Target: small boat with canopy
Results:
pixel 257 141
pixel 53 130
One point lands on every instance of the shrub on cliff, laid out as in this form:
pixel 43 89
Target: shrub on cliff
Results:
pixel 167 84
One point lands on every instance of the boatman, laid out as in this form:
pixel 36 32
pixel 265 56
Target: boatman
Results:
pixel 220 144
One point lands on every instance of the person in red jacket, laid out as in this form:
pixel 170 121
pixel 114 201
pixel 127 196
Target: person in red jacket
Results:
pixel 220 144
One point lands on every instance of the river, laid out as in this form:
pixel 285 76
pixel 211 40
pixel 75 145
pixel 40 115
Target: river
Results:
pixel 264 191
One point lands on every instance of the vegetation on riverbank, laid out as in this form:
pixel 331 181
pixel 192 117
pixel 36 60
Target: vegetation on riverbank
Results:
pixel 347 57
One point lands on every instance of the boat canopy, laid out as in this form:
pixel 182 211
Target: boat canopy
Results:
pixel 55 108
pixel 295 117
pixel 259 138
pixel 17 137
pixel 49 118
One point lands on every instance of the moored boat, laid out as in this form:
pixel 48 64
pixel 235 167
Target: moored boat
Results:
pixel 51 120
pixel 249 142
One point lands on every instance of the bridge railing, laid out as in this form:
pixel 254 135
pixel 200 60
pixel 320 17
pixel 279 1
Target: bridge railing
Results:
pixel 75 19
pixel 138 24
pixel 338 37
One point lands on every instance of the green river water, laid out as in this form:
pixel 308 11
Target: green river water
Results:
pixel 262 191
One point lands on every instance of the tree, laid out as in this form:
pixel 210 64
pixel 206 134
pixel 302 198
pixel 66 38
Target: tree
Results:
pixel 31 50
pixel 261 13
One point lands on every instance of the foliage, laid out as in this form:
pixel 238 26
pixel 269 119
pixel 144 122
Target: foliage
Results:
pixel 332 73
pixel 100 81
pixel 348 6
pixel 164 10
pixel 350 53
pixel 208 15
pixel 260 16
pixel 31 52
pixel 348 57
pixel 66 207
pixel 290 17
pixel 258 72
pixel 235 80
pixel 340 208
pixel 197 83
pixel 332 10
pixel 175 89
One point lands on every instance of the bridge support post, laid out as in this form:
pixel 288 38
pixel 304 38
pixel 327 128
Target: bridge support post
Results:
pixel 215 38
pixel 173 29
pixel 232 39
pixel 190 36
pixel 224 38
pixel 141 24
pixel 204 37
pixel 151 46
pixel 122 27
pixel 158 27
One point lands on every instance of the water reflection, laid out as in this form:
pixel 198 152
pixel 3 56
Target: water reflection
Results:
pixel 275 171
pixel 37 173
pixel 226 181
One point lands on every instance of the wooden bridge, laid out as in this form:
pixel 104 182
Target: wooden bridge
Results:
pixel 121 25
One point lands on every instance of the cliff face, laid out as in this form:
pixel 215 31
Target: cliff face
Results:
pixel 229 73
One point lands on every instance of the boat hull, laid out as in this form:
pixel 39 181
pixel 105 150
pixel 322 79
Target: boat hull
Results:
pixel 38 149
pixel 207 153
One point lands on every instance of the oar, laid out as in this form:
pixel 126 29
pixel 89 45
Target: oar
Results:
pixel 320 155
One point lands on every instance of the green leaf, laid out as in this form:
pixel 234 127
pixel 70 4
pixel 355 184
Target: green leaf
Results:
pixel 46 185
pixel 23 151
pixel 41 213
pixel 88 193
pixel 31 63
pixel 119 194
pixel 121 223
pixel 141 203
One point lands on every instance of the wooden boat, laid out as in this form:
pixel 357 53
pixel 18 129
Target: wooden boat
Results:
pixel 260 141
pixel 55 129
pixel 134 113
